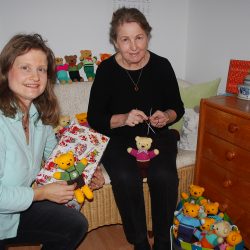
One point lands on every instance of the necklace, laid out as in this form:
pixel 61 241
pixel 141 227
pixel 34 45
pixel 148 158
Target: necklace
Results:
pixel 136 87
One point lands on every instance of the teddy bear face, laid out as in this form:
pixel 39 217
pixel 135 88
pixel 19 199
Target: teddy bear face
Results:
pixel 196 191
pixel 65 161
pixel 59 61
pixel 222 228
pixel 143 142
pixel 71 59
pixel 234 238
pixel 208 222
pixel 64 120
pixel 81 117
pixel 211 208
pixel 190 209
pixel 85 54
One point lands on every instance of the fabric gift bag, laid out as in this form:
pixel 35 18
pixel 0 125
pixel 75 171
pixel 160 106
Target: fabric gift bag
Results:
pixel 84 142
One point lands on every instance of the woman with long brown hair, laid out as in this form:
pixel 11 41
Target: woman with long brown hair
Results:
pixel 28 109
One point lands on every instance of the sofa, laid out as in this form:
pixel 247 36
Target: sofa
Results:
pixel 102 210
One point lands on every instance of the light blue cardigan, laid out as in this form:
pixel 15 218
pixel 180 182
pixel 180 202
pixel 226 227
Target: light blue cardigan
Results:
pixel 19 164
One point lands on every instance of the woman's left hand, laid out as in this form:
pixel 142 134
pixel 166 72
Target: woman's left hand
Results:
pixel 159 119
pixel 97 180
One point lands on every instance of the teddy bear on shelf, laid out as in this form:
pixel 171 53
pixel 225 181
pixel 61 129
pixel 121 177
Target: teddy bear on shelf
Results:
pixel 72 173
pixel 187 221
pixel 74 68
pixel 143 154
pixel 195 195
pixel 103 56
pixel 62 71
pixel 88 63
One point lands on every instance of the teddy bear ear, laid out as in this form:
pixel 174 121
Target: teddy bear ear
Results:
pixel 137 138
pixel 71 152
pixel 150 139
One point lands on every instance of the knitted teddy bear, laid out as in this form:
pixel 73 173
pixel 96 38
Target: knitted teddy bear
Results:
pixel 72 173
pixel 88 63
pixel 74 68
pixel 62 71
pixel 64 121
pixel 103 56
pixel 82 119
pixel 195 195
pixel 187 221
pixel 143 154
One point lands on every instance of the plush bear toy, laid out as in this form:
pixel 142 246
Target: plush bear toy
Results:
pixel 187 221
pixel 73 174
pixel 212 210
pixel 62 71
pixel 82 119
pixel 74 68
pixel 195 195
pixel 143 154
pixel 233 238
pixel 88 63
pixel 215 236
pixel 103 56
pixel 63 124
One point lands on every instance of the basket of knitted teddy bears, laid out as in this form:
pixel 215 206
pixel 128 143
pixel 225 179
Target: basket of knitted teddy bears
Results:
pixel 199 224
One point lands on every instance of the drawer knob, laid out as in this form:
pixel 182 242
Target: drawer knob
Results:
pixel 232 128
pixel 230 155
pixel 227 183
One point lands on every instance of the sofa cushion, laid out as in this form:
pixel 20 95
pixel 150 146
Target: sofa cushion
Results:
pixel 73 98
pixel 191 94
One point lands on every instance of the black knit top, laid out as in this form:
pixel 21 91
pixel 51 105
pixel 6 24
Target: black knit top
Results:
pixel 113 93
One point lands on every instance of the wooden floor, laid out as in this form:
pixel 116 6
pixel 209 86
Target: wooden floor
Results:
pixel 104 238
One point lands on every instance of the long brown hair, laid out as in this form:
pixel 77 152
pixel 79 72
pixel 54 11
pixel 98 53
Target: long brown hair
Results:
pixel 127 15
pixel 46 103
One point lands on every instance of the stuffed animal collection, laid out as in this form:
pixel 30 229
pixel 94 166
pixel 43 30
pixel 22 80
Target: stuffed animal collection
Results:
pixel 199 222
pixel 72 173
pixel 72 69
pixel 143 154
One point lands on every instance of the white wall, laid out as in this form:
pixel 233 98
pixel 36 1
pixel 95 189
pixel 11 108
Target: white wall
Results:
pixel 218 30
pixel 199 37
pixel 71 26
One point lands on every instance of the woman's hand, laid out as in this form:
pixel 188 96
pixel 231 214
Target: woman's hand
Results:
pixel 159 119
pixel 135 117
pixel 97 180
pixel 59 192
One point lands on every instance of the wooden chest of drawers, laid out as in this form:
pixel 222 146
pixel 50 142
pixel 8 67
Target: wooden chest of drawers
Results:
pixel 223 157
